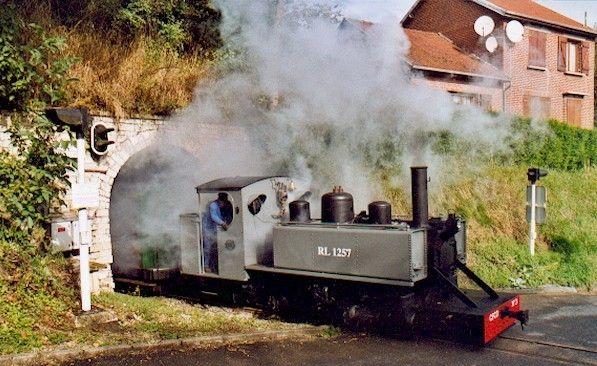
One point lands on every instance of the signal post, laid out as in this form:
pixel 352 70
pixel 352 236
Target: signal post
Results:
pixel 84 195
pixel 536 201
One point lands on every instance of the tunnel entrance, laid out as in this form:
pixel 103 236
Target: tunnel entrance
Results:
pixel 151 190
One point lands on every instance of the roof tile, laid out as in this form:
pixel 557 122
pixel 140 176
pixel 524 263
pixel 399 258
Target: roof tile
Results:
pixel 532 10
pixel 434 51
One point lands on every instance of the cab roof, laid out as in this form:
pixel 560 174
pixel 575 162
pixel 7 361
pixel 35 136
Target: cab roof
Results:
pixel 231 183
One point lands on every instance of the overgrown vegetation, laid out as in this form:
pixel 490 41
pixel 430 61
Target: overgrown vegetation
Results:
pixel 555 145
pixel 140 319
pixel 494 207
pixel 492 199
pixel 162 318
pixel 36 296
pixel 135 56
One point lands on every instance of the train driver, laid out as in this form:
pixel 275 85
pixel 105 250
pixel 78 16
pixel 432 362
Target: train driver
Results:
pixel 219 214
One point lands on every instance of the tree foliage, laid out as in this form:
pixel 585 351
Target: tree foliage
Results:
pixel 33 172
pixel 32 73
pixel 181 25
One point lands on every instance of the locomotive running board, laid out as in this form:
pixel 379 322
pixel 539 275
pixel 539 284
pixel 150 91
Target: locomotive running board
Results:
pixel 326 275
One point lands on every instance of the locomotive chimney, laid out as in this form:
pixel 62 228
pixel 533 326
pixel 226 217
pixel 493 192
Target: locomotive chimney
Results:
pixel 419 196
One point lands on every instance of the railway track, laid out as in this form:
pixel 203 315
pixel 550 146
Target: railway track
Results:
pixel 547 350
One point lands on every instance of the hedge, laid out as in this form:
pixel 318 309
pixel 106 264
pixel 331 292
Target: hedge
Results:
pixel 560 146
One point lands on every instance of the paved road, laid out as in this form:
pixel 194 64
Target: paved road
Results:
pixel 563 331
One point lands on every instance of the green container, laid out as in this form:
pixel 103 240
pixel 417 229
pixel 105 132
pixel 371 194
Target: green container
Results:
pixel 149 258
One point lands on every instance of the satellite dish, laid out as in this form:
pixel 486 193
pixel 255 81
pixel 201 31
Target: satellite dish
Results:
pixel 491 44
pixel 514 31
pixel 484 25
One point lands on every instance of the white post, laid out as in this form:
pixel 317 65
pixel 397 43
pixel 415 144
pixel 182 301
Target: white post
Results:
pixel 84 232
pixel 532 231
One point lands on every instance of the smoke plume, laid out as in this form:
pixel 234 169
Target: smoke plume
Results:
pixel 329 105
pixel 325 104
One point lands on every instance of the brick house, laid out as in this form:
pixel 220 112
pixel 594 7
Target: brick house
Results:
pixel 549 74
pixel 440 63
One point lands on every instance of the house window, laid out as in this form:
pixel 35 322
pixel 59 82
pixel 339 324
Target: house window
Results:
pixel 536 107
pixel 537 44
pixel 571 53
pixel 478 100
pixel 463 98
pixel 573 56
pixel 573 109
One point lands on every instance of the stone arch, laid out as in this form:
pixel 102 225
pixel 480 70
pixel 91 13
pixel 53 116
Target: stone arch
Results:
pixel 153 187
pixel 132 136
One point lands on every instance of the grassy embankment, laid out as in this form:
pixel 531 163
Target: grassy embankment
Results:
pixel 493 203
pixel 48 322
pixel 132 57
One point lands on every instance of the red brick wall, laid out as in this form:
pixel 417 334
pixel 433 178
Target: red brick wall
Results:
pixel 548 82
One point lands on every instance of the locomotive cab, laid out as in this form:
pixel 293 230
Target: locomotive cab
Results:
pixel 252 206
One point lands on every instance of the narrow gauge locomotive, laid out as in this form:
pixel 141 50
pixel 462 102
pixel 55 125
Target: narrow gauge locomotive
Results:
pixel 363 269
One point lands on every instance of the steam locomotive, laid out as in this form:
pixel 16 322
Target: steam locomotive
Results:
pixel 364 269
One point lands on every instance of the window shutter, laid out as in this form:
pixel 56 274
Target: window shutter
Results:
pixel 533 47
pixel 584 55
pixel 562 53
pixel 574 111
pixel 545 105
pixel 486 102
pixel 541 46
pixel 537 42
pixel 578 67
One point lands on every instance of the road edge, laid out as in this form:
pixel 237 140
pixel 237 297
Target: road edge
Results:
pixel 44 357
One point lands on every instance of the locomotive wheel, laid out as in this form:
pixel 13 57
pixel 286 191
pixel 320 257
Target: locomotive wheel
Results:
pixel 277 304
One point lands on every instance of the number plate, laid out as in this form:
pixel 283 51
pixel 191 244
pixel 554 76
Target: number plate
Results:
pixel 325 251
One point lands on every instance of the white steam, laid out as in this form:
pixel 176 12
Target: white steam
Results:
pixel 323 105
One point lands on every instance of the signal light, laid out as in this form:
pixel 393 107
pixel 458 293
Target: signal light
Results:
pixel 99 138
pixel 533 174
pixel 77 120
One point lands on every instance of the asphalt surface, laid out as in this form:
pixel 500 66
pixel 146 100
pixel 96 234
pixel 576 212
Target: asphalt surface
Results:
pixel 563 330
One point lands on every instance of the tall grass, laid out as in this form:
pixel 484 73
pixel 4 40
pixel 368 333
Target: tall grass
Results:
pixel 136 78
pixel 493 203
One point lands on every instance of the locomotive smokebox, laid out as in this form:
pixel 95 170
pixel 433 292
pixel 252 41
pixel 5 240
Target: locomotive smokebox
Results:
pixel 380 213
pixel 299 211
pixel 419 196
pixel 337 207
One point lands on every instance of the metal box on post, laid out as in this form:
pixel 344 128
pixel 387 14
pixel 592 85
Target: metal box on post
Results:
pixel 65 234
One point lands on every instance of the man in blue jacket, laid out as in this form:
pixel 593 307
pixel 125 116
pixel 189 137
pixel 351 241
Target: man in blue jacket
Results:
pixel 219 212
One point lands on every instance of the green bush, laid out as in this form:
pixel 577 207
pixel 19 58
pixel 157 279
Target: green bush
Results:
pixel 31 67
pixel 560 146
pixel 32 75
pixel 36 294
